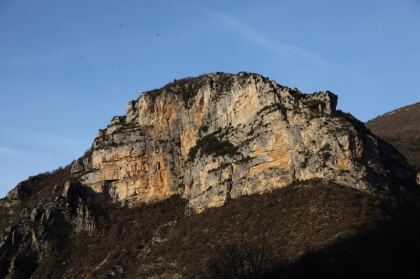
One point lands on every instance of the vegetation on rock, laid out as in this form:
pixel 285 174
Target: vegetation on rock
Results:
pixel 306 230
pixel 210 144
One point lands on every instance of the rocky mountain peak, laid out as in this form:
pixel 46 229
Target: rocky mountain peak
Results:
pixel 219 136
pixel 218 139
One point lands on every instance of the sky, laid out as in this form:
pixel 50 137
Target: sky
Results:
pixel 68 66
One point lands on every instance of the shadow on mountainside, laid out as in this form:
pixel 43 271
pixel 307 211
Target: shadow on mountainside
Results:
pixel 390 249
pixel 401 128
pixel 309 229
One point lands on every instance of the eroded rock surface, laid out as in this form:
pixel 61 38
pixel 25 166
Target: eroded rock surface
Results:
pixel 23 245
pixel 220 136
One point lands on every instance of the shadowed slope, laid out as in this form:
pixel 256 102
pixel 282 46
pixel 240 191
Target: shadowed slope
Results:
pixel 401 127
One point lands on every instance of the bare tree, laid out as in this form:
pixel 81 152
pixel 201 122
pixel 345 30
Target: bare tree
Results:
pixel 244 261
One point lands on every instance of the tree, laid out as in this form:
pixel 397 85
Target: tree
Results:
pixel 245 261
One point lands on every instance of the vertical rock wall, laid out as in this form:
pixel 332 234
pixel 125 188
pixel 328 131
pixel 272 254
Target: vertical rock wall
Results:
pixel 221 136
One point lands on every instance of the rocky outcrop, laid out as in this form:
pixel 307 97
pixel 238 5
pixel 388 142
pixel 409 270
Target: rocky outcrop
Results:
pixel 220 136
pixel 23 243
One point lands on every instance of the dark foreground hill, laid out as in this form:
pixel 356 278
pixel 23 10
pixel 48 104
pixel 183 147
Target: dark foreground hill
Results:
pixel 305 230
pixel 401 128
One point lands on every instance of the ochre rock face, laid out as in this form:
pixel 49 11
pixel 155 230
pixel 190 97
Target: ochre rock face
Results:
pixel 220 136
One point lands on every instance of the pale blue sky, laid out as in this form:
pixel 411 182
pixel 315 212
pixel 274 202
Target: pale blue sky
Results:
pixel 365 51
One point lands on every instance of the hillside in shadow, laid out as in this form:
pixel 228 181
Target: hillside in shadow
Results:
pixel 401 128
pixel 306 230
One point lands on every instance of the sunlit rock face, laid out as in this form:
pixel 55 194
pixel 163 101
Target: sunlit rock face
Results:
pixel 219 136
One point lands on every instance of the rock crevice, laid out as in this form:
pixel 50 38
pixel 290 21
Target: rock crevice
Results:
pixel 220 136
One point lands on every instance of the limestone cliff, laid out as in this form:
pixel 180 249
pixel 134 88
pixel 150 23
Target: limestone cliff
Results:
pixel 219 136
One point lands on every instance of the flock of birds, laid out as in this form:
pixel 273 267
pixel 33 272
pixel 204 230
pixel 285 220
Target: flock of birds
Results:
pixel 81 57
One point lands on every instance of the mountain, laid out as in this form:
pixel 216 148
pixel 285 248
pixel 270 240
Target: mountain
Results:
pixel 401 128
pixel 220 176
pixel 220 136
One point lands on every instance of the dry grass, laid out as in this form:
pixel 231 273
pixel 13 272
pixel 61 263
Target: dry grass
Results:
pixel 401 128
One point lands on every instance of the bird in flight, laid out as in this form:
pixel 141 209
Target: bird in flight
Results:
pixel 81 56
pixel 120 24
pixel 157 34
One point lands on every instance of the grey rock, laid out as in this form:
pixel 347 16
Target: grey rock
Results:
pixel 276 135
pixel 24 212
pixel 66 188
pixel 34 214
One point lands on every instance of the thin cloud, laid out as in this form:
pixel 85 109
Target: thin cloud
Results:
pixel 6 151
pixel 291 53
pixel 54 141
pixel 8 155
pixel 253 36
